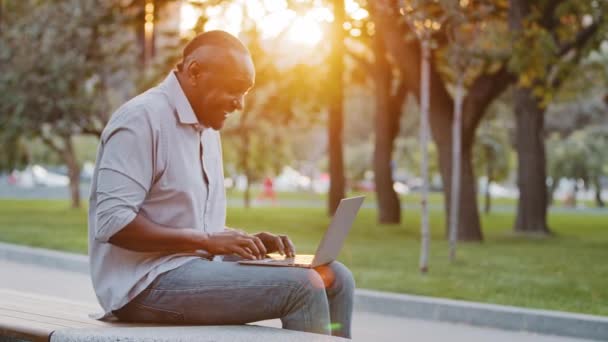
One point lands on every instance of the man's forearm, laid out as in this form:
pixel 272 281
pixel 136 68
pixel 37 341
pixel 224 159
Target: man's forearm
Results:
pixel 143 235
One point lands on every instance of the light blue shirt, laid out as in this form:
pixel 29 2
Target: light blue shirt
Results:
pixel 152 159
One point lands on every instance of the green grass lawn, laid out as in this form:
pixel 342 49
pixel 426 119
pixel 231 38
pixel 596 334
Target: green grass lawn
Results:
pixel 566 272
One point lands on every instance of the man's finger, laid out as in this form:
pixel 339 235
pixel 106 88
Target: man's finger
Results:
pixel 243 253
pixel 289 247
pixel 242 243
pixel 260 245
pixel 249 243
pixel 279 244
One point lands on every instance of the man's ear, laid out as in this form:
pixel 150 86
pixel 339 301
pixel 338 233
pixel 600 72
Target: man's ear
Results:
pixel 194 72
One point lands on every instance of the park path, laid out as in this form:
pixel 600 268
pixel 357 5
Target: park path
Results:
pixel 63 193
pixel 367 326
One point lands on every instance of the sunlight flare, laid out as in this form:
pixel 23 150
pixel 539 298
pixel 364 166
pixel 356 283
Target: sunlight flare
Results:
pixel 305 31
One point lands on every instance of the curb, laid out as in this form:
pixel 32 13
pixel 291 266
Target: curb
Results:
pixel 45 257
pixel 504 317
pixel 393 304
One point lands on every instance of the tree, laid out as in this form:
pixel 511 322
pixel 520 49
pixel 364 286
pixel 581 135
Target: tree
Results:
pixel 582 156
pixel 58 58
pixel 462 33
pixel 550 39
pixel 14 153
pixel 372 65
pixel 282 102
pixel 285 99
pixel 597 141
pixel 499 70
pixel 492 157
pixel 143 16
pixel 491 80
pixel 420 19
pixel 335 122
pixel 1 11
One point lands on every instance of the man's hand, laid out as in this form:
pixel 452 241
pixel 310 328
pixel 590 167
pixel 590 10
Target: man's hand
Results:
pixel 235 242
pixel 277 243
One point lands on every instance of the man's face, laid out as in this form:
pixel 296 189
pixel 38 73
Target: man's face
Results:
pixel 222 90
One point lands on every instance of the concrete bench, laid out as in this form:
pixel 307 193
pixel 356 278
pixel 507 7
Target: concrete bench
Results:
pixel 30 317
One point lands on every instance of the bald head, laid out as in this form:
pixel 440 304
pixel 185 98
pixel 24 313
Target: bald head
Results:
pixel 212 46
pixel 215 73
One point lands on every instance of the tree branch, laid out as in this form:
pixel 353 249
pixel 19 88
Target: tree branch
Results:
pixel 404 53
pixel 580 40
pixel 484 89
pixel 562 73
pixel 360 60
pixel 399 96
pixel 52 144
pixel 548 19
pixel 396 101
pixel 92 131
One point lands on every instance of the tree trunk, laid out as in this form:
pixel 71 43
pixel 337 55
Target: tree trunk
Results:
pixel 598 192
pixel 456 159
pixel 69 158
pixel 487 207
pixel 490 175
pixel 468 219
pixel 140 31
pixel 441 118
pixel 531 166
pixel 335 127
pixel 245 165
pixel 247 193
pixel 389 207
pixel 1 13
pixel 424 165
pixel 551 191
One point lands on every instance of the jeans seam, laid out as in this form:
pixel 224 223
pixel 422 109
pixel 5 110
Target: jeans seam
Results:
pixel 223 286
pixel 158 309
pixel 176 315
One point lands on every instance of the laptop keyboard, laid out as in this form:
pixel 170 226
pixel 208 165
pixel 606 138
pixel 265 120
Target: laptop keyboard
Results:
pixel 297 260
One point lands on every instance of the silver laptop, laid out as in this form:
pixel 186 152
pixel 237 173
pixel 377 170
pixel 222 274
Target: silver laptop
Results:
pixel 331 244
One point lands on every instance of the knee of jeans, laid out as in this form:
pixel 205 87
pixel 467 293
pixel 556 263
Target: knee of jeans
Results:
pixel 307 287
pixel 342 275
pixel 314 280
pixel 306 279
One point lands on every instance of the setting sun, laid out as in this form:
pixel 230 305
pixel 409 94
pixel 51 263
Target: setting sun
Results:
pixel 305 31
pixel 273 20
pixel 188 17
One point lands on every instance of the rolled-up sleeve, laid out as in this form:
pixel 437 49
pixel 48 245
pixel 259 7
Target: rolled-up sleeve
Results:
pixel 125 176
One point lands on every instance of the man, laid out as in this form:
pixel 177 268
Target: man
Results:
pixel 159 249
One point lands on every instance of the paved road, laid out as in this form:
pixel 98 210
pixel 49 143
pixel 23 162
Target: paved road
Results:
pixel 13 192
pixel 367 326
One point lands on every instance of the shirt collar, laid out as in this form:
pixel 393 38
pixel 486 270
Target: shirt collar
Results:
pixel 184 110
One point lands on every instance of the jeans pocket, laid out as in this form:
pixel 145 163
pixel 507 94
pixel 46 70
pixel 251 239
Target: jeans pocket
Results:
pixel 136 312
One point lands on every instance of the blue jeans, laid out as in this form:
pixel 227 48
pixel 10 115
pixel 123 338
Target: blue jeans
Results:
pixel 212 293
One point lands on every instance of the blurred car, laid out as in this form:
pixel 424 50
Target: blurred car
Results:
pixel 36 175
